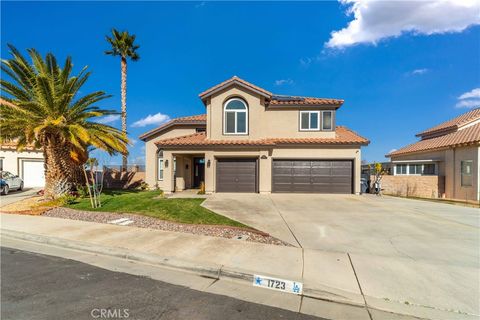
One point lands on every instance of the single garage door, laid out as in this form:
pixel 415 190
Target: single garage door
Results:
pixel 312 176
pixel 236 175
pixel 33 173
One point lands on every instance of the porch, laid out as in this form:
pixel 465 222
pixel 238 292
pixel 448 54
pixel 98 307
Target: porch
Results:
pixel 186 173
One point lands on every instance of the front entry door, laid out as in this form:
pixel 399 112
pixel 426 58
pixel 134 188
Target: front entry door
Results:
pixel 198 171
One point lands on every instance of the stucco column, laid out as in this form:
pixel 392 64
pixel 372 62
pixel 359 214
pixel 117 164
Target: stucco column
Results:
pixel 265 172
pixel 168 174
pixel 209 172
pixel 358 171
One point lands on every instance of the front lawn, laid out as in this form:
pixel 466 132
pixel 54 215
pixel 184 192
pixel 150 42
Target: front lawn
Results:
pixel 149 203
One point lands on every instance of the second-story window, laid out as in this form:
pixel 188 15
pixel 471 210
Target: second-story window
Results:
pixel 309 120
pixel 235 117
pixel 327 121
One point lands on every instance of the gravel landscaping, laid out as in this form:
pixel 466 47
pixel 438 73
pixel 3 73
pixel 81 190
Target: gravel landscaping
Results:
pixel 155 223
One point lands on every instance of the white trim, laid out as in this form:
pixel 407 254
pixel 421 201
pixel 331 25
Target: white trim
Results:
pixel 413 161
pixel 236 133
pixel 309 115
pixel 237 83
pixel 158 169
pixel 331 120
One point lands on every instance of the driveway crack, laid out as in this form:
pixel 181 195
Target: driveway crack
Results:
pixel 285 221
pixel 359 286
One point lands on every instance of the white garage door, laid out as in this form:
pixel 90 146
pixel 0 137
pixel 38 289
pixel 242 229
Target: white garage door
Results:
pixel 33 173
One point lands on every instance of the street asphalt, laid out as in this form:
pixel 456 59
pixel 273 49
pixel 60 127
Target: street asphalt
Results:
pixel 36 286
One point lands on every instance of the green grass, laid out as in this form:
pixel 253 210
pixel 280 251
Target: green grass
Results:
pixel 150 203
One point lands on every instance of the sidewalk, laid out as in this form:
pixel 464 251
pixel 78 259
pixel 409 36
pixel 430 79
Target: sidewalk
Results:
pixel 326 275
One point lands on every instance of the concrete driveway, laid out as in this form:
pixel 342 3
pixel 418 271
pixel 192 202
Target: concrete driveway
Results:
pixel 418 253
pixel 14 196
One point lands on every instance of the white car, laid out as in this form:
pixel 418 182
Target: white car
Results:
pixel 9 182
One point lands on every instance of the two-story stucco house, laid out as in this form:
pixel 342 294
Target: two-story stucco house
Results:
pixel 251 140
pixel 451 151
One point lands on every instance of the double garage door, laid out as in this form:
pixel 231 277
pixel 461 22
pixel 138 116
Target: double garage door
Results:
pixel 300 176
pixel 312 176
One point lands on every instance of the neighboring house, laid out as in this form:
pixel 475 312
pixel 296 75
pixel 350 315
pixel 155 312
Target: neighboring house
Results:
pixel 450 150
pixel 251 140
pixel 27 164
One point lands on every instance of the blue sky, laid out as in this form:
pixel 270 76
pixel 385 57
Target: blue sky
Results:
pixel 395 81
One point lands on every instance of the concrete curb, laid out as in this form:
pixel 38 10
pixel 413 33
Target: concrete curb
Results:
pixel 216 271
pixel 213 271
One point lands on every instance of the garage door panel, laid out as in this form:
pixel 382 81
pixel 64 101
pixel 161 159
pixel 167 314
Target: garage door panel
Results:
pixel 312 176
pixel 236 175
pixel 33 173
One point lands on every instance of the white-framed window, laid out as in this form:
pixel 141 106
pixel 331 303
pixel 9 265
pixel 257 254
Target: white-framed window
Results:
pixel 327 120
pixel 466 173
pixel 235 117
pixel 160 165
pixel 415 169
pixel 309 120
pixel 401 169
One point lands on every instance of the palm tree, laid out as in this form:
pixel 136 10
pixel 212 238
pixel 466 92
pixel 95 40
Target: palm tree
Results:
pixel 42 108
pixel 123 45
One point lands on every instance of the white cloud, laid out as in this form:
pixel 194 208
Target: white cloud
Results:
pixel 393 150
pixel 133 141
pixel 282 82
pixel 468 103
pixel 305 62
pixel 156 119
pixel 419 71
pixel 201 4
pixel 109 119
pixel 470 99
pixel 374 20
pixel 475 93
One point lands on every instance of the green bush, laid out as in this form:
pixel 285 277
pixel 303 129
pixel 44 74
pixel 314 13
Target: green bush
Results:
pixel 67 199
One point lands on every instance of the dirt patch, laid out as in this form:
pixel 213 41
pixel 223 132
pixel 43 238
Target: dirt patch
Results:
pixel 35 205
pixel 154 223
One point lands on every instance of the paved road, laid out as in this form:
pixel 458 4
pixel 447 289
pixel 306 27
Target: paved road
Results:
pixel 15 196
pixel 36 286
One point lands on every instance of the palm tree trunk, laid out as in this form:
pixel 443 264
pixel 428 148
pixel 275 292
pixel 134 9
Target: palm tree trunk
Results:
pixel 124 107
pixel 61 173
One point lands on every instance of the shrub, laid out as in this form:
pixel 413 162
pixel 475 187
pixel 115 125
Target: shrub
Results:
pixel 143 186
pixel 67 199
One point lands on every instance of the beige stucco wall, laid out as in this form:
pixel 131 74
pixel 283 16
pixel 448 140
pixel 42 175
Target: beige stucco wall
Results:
pixel 265 156
pixel 12 159
pixel 450 168
pixel 151 152
pixel 459 192
pixel 413 185
pixel 272 122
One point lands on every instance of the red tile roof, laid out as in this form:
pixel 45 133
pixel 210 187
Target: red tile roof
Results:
pixel 297 100
pixel 12 145
pixel 466 136
pixel 230 81
pixel 200 119
pixel 344 136
pixel 454 123
pixel 277 100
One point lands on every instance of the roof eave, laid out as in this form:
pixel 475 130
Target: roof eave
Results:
pixel 168 125
pixel 207 94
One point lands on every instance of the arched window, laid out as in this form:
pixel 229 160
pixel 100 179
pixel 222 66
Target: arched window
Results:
pixel 235 117
pixel 160 165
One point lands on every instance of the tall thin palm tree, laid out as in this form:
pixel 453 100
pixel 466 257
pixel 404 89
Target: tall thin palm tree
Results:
pixel 40 106
pixel 123 45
